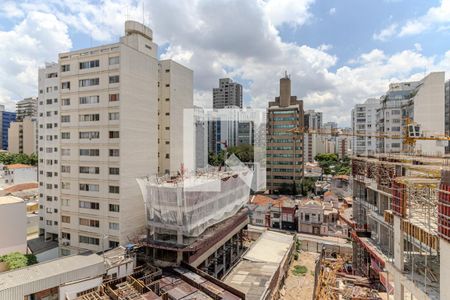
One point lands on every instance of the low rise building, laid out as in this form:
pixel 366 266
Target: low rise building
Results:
pixel 273 212
pixel 17 174
pixel 315 216
pixel 12 215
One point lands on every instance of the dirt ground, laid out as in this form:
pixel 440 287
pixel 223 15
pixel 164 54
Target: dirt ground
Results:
pixel 300 287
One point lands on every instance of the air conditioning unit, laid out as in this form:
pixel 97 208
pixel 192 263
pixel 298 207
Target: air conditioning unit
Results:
pixel 65 243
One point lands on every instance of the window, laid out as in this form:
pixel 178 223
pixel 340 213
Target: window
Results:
pixel 89 135
pixel 65 135
pixel 113 116
pixel 65 85
pixel 65 152
pixel 114 171
pixel 65 169
pixel 114 79
pixel 65 185
pixel 89 170
pixel 114 207
pixel 49 101
pixel 89 187
pixel 90 223
pixel 114 60
pixel 114 152
pixel 65 235
pixel 114 134
pixel 90 118
pixel 89 64
pixel 65 102
pixel 65 119
pixel 113 226
pixel 65 219
pixel 89 240
pixel 89 205
pixel 89 152
pixel 89 82
pixel 113 189
pixel 65 68
pixel 114 244
pixel 65 202
pixel 113 97
pixel 89 99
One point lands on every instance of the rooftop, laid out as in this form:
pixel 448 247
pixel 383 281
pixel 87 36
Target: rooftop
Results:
pixel 254 273
pixel 10 200
pixel 19 187
pixel 51 269
pixel 18 166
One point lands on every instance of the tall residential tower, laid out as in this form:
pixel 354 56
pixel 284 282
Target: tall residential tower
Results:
pixel 284 148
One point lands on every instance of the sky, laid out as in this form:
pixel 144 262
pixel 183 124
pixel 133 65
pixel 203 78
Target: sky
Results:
pixel 337 52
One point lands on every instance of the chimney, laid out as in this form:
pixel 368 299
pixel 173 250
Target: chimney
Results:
pixel 285 90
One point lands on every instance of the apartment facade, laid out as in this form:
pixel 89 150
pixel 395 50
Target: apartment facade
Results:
pixel 49 157
pixel 26 108
pixel 313 121
pixel 284 148
pixel 175 97
pixel 364 126
pixel 423 102
pixel 98 133
pixel 22 136
pixel 228 93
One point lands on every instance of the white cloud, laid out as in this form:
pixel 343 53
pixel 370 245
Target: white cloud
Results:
pixel 386 33
pixel 217 38
pixel 35 40
pixel 437 17
pixel 332 11
pixel 293 12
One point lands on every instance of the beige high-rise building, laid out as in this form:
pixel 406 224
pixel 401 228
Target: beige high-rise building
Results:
pixel 107 136
pixel 284 148
pixel 175 95
pixel 22 136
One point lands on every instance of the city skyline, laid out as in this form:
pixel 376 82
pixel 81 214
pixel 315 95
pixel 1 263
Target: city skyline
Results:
pixel 336 59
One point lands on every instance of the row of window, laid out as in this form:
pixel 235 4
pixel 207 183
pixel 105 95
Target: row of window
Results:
pixel 90 135
pixel 284 126
pixel 283 148
pixel 90 64
pixel 285 119
pixel 90 82
pixel 96 206
pixel 90 152
pixel 89 223
pixel 286 163
pixel 282 155
pixel 90 99
pixel 91 187
pixel 90 170
pixel 112 116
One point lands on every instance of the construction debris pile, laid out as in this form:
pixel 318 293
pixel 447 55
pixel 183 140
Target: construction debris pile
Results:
pixel 335 281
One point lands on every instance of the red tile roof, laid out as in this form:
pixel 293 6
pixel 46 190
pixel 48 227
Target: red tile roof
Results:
pixel 18 166
pixel 20 187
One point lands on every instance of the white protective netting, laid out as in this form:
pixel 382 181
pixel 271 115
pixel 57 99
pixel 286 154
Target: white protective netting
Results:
pixel 194 203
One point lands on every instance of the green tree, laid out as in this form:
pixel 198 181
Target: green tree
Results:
pixel 16 260
pixel 7 158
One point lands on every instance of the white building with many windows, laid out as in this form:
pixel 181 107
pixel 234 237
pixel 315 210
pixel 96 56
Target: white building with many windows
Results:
pixel 364 123
pixel 106 136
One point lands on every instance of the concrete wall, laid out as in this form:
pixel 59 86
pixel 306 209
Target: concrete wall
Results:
pixel 13 225
pixel 429 111
pixel 69 290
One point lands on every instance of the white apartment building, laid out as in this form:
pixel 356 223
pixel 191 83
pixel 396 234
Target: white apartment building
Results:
pixel 175 96
pixel 313 121
pixel 423 102
pixel 49 158
pixel 99 132
pixel 364 125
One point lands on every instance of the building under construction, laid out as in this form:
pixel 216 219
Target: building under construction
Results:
pixel 197 219
pixel 401 228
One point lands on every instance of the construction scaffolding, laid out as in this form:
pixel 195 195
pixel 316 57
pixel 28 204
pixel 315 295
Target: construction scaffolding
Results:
pixel 336 282
pixel 411 188
pixel 181 208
